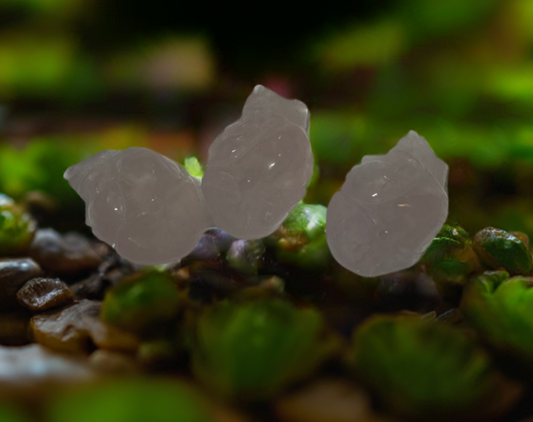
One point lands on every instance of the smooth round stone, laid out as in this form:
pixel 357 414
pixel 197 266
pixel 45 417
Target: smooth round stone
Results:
pixel 143 204
pixel 41 293
pixel 389 209
pixel 78 328
pixel 13 274
pixel 259 167
pixel 65 254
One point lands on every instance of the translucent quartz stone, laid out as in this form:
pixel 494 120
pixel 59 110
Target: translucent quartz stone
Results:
pixel 259 167
pixel 389 209
pixel 143 204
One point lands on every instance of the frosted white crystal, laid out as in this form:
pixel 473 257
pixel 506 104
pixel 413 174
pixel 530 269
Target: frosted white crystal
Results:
pixel 145 205
pixel 389 209
pixel 259 167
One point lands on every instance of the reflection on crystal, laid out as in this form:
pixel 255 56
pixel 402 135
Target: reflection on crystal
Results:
pixel 389 209
pixel 259 167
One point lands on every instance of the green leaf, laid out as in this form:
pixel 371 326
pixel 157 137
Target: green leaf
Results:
pixel 141 302
pixel 421 370
pixel 250 350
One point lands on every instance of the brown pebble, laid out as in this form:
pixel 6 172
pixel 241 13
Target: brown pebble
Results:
pixel 14 328
pixel 78 329
pixel 63 254
pixel 13 274
pixel 327 400
pixel 93 287
pixel 111 362
pixel 40 294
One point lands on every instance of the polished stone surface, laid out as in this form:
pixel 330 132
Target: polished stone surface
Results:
pixel 259 166
pixel 41 293
pixel 13 274
pixel 389 209
pixel 143 204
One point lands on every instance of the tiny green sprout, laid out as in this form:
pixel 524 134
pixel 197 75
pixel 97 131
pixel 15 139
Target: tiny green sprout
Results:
pixel 301 239
pixel 16 228
pixel 193 166
pixel 424 370
pixel 499 309
pixel 499 249
pixel 130 400
pixel 142 301
pixel 450 259
pixel 489 281
pixel 251 349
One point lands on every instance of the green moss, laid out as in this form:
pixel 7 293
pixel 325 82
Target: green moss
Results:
pixel 249 350
pixel 138 304
pixel 421 370
pixel 301 239
pixel 16 228
pixel 489 281
pixel 450 258
pixel 500 311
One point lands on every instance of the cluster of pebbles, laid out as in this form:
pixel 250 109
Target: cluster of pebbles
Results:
pixel 51 333
pixel 53 298
pixel 54 332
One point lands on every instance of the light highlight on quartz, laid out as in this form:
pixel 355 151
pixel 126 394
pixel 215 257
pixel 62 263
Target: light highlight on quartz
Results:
pixel 259 167
pixel 143 204
pixel 389 209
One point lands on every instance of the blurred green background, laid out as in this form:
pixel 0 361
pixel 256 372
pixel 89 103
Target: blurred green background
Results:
pixel 78 76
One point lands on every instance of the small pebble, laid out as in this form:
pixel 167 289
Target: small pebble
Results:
pixel 78 329
pixel 63 254
pixel 93 287
pixel 331 400
pixel 40 294
pixel 40 206
pixel 111 362
pixel 211 246
pixel 14 328
pixel 13 274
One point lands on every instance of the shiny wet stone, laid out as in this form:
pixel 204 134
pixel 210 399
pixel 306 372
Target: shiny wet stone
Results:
pixel 13 274
pixel 40 294
pixel 78 328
